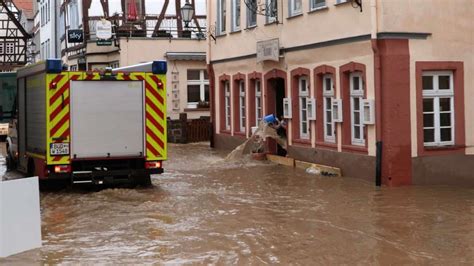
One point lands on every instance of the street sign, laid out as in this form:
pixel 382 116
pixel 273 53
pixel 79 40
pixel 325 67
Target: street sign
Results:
pixel 104 42
pixel 103 29
pixel 268 50
pixel 75 36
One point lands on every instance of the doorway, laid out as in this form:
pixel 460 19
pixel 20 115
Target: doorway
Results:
pixel 275 95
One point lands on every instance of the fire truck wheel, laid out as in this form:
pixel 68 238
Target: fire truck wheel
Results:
pixel 10 160
pixel 31 168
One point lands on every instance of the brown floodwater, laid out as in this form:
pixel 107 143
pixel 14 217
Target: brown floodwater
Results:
pixel 205 210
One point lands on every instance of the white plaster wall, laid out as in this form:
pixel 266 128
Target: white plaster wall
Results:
pixel 335 56
pixel 452 39
pixel 335 22
pixel 139 50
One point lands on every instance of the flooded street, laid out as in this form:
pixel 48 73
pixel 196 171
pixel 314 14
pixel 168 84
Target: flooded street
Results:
pixel 204 210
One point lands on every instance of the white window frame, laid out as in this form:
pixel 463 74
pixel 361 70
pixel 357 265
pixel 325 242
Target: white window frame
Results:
pixel 292 10
pixel 202 82
pixel 227 110
pixel 341 1
pixel 436 94
pixel 221 16
pixel 258 102
pixel 269 18
pixel 359 94
pixel 303 96
pixel 48 11
pixel 315 6
pixel 242 106
pixel 251 13
pixel 9 48
pixel 236 15
pixel 328 94
pixel 73 15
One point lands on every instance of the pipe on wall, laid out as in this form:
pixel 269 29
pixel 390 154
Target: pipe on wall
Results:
pixel 212 80
pixel 378 92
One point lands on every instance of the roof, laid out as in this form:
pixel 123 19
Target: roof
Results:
pixel 26 6
pixel 194 56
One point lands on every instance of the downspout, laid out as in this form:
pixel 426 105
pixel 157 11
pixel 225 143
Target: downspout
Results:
pixel 378 92
pixel 212 79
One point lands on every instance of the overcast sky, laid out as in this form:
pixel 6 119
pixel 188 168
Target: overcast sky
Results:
pixel 153 7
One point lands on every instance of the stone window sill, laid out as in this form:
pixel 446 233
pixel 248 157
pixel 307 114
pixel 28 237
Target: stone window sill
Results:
pixel 326 145
pixel 355 148
pixel 342 3
pixel 302 141
pixel 318 9
pixel 295 15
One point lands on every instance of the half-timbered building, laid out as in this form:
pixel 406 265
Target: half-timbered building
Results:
pixel 13 37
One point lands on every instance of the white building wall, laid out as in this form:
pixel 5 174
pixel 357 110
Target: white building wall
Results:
pixel 47 16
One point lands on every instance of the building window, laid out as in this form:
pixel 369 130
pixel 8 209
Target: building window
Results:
pixel 73 68
pixel 438 108
pixel 9 48
pixel 235 15
pixel 115 64
pixel 357 94
pixel 198 88
pixel 258 102
pixel 328 96
pixel 294 7
pixel 221 16
pixel 47 49
pixel 303 92
pixel 227 104
pixel 242 105
pixel 315 4
pixel 251 13
pixel 42 15
pixel 271 11
pixel 341 1
pixel 73 15
pixel 48 11
pixel 1 48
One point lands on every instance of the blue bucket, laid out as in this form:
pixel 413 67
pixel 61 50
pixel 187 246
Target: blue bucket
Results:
pixel 270 119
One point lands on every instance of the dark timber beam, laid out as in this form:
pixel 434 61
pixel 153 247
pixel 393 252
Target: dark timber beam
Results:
pixel 105 7
pixel 160 18
pixel 194 16
pixel 179 21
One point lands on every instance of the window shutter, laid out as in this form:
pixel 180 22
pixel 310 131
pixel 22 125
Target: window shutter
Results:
pixel 337 110
pixel 311 109
pixel 287 108
pixel 369 112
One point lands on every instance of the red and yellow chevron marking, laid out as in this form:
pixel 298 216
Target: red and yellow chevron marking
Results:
pixel 57 112
pixel 155 113
pixel 58 117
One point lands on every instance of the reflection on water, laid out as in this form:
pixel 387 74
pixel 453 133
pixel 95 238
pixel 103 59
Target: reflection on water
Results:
pixel 207 210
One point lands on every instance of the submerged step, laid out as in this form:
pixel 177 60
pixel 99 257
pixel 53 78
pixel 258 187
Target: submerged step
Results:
pixel 323 169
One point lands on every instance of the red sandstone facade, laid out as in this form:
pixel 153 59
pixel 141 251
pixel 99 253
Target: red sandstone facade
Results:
pixel 420 87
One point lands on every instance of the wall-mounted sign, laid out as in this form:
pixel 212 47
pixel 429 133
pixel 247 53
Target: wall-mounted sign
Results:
pixel 104 42
pixel 268 50
pixel 75 36
pixel 103 29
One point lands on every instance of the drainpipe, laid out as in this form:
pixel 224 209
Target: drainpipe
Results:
pixel 212 79
pixel 378 93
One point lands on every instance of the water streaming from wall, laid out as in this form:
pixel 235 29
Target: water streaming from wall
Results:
pixel 256 142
